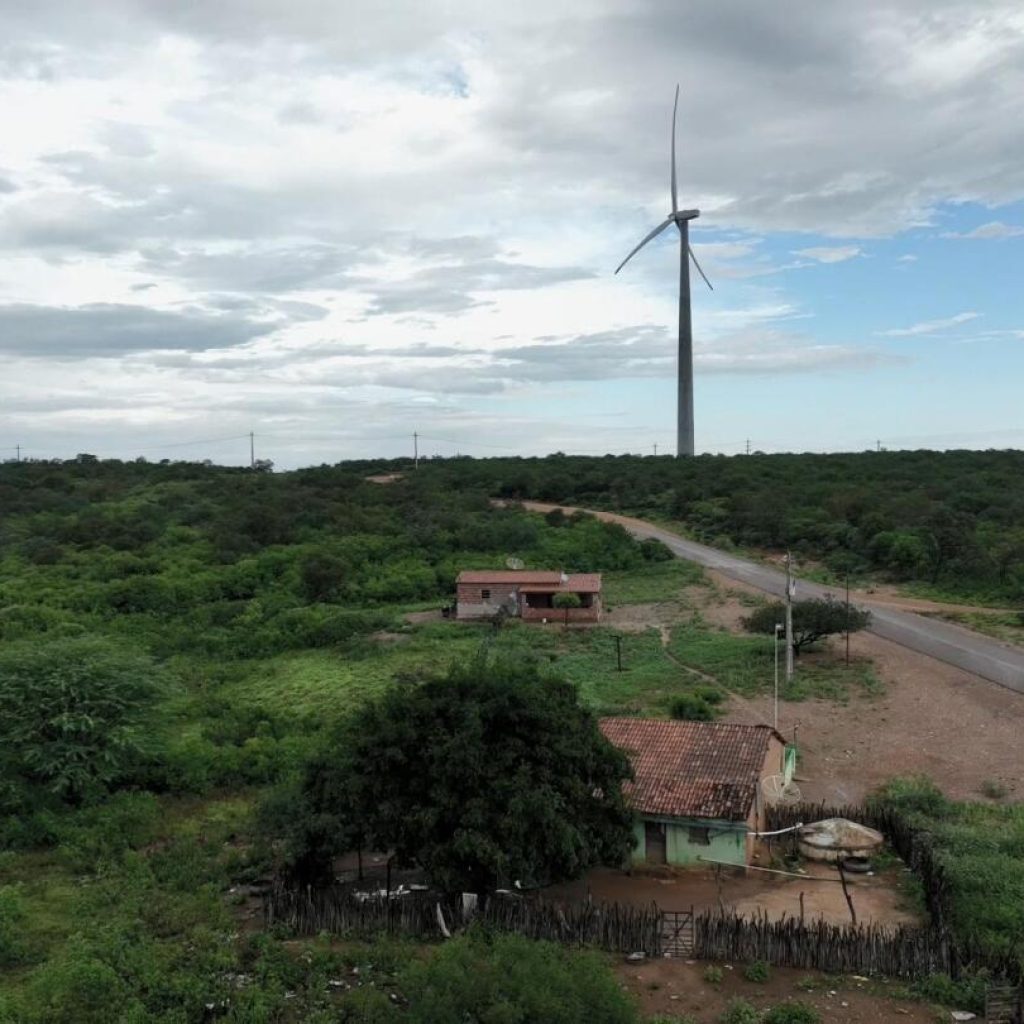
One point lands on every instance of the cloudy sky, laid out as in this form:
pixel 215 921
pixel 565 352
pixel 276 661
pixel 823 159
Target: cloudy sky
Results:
pixel 337 223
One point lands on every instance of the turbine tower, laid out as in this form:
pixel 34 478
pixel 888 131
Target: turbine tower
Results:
pixel 681 219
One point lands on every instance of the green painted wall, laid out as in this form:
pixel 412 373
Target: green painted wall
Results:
pixel 728 842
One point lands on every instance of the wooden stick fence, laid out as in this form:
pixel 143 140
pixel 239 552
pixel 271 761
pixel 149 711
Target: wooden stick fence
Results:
pixel 845 949
pixel 610 926
pixel 901 952
pixel 959 954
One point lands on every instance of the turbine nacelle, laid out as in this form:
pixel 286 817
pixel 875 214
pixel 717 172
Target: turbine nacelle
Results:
pixel 676 216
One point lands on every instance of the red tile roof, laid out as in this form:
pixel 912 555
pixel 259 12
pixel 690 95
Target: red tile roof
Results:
pixel 533 582
pixel 691 769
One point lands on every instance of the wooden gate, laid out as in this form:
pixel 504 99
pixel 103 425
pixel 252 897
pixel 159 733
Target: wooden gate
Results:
pixel 1003 1004
pixel 677 932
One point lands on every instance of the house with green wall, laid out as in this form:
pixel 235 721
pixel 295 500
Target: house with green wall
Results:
pixel 699 789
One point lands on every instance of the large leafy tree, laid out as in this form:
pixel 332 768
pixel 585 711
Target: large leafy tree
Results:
pixel 813 619
pixel 74 713
pixel 486 775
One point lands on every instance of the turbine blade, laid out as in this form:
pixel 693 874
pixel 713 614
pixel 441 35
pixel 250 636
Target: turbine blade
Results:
pixel 675 197
pixel 654 234
pixel 697 265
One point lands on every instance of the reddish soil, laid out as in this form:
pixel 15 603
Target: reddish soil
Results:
pixel 933 719
pixel 674 988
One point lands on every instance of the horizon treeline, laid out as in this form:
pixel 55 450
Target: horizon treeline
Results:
pixel 949 521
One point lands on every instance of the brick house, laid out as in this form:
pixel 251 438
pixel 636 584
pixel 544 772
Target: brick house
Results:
pixel 526 594
pixel 697 791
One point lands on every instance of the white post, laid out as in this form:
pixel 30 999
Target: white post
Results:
pixel 778 629
pixel 789 617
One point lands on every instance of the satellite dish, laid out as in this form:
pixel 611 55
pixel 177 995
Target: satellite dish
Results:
pixel 778 791
pixel 514 563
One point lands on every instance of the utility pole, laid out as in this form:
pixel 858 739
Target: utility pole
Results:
pixel 748 445
pixel 252 450
pixel 878 446
pixel 17 449
pixel 415 450
pixel 775 719
pixel 847 618
pixel 790 587
pixel 655 449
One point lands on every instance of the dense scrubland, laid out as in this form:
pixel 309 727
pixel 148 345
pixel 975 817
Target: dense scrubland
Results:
pixel 948 523
pixel 177 640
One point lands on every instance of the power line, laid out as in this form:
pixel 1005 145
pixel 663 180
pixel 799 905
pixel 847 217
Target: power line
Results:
pixel 186 444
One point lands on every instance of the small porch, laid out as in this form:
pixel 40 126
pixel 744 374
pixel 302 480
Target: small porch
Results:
pixel 537 604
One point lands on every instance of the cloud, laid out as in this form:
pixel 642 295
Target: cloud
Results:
pixel 930 326
pixel 907 258
pixel 992 231
pixel 830 254
pixel 455 288
pixel 254 268
pixel 294 205
pixel 107 329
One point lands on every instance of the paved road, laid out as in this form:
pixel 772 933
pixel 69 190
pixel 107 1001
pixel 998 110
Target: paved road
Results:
pixel 985 657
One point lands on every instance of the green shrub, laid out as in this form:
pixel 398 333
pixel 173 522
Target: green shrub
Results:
pixel 514 979
pixel 713 975
pixel 654 550
pixel 792 1013
pixel 709 694
pixel 739 1011
pixel 757 971
pixel 76 715
pixel 690 707
pixel 77 989
pixel 914 795
pixel 966 993
pixel 367 1006
pixel 12 916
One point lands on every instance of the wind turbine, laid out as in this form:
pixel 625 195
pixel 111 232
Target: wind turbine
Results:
pixel 681 219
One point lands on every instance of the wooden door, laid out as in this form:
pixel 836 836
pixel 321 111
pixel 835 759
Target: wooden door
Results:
pixel 654 842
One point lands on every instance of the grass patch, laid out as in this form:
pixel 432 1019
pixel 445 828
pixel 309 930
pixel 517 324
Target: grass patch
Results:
pixel 316 684
pixel 326 682
pixel 746 665
pixel 648 681
pixel 1007 626
pixel 657 581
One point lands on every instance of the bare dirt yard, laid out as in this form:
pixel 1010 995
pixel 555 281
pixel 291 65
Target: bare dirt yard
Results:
pixel 876 898
pixel 933 719
pixel 674 988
